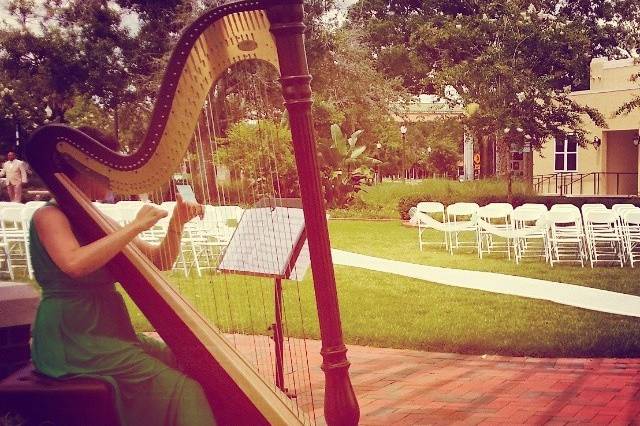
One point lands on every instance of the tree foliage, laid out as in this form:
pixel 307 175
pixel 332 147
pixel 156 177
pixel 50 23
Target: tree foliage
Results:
pixel 260 154
pixel 344 167
pixel 517 59
pixel 347 82
pixel 438 146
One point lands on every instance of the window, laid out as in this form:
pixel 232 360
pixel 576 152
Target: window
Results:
pixel 566 156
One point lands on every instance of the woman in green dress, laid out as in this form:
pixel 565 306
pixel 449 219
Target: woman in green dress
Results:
pixel 82 327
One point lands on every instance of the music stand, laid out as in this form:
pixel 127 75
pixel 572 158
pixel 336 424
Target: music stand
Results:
pixel 270 241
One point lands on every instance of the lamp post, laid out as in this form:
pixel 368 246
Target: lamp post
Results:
pixel 403 132
pixel 378 174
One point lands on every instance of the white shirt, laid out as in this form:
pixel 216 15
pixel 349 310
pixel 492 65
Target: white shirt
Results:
pixel 15 171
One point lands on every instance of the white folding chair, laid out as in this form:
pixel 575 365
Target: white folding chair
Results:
pixel 535 206
pixel 604 236
pixel 26 215
pixel 461 217
pixel 564 206
pixel 14 239
pixel 221 221
pixel 109 210
pixel 204 239
pixel 565 237
pixel 618 208
pixel 128 210
pixel 573 209
pixel 530 228
pixel 35 204
pixel 5 259
pixel 632 235
pixel 10 204
pixel 589 207
pixel 429 208
pixel 494 229
pixel 194 249
pixel 507 207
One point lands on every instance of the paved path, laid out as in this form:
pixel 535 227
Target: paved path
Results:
pixel 566 294
pixel 405 387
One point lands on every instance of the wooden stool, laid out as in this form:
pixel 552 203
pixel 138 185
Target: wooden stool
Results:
pixel 18 304
pixel 38 399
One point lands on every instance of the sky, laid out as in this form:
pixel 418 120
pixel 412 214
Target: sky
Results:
pixel 129 21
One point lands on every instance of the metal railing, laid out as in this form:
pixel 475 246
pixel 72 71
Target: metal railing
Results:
pixel 596 183
pixel 413 175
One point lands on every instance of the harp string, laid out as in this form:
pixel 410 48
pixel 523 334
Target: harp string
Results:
pixel 296 363
pixel 217 293
pixel 248 90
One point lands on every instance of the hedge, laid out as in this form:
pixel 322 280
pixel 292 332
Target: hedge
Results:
pixel 518 199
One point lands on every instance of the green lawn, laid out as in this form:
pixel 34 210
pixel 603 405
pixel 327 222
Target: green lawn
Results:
pixel 391 311
pixel 392 240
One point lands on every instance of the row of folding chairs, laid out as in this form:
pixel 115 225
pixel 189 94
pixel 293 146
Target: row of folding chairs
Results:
pixel 564 233
pixel 15 219
pixel 203 241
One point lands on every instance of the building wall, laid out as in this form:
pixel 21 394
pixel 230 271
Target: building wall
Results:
pixel 622 162
pixel 610 87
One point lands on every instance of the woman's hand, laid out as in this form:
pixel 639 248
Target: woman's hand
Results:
pixel 184 211
pixel 148 216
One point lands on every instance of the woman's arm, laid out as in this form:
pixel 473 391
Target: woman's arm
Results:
pixel 54 231
pixel 163 255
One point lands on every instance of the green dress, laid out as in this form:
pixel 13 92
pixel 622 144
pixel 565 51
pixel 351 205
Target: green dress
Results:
pixel 82 328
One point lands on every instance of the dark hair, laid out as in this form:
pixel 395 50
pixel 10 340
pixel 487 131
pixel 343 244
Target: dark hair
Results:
pixel 99 136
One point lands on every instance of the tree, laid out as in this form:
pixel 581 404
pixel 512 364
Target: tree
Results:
pixel 77 52
pixel 39 74
pixel 517 59
pixel 89 67
pixel 437 146
pixel 347 84
pixel 634 103
pixel 261 155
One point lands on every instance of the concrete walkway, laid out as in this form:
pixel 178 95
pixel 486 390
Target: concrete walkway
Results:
pixel 565 294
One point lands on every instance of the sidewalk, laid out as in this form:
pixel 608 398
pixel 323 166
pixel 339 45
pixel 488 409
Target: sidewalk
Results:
pixel 406 387
pixel 566 294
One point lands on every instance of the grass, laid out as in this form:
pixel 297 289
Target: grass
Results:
pixel 389 311
pixel 392 240
pixel 386 310
pixel 381 201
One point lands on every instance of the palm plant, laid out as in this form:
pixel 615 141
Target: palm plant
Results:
pixel 344 167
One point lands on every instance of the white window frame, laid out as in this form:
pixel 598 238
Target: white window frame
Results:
pixel 565 153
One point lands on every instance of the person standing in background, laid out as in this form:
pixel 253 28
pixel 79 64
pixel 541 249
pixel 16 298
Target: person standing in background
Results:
pixel 15 173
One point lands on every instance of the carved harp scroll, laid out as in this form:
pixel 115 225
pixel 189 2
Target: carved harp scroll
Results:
pixel 258 29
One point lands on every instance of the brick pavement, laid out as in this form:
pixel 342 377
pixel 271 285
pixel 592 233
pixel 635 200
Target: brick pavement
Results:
pixel 411 387
pixel 404 387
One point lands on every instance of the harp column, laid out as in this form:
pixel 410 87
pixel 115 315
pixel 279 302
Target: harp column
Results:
pixel 340 404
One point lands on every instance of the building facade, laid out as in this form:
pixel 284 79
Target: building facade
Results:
pixel 610 165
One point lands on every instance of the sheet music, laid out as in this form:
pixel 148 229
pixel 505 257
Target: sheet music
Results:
pixel 264 243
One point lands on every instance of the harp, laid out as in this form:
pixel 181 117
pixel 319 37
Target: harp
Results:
pixel 268 31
